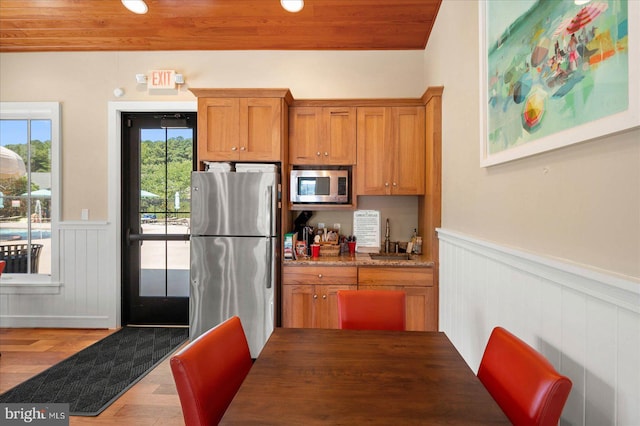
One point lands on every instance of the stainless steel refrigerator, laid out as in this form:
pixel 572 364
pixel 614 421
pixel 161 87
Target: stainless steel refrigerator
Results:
pixel 234 250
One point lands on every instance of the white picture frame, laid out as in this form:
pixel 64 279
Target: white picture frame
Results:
pixel 615 123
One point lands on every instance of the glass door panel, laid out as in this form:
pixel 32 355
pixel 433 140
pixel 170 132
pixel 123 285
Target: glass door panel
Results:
pixel 157 208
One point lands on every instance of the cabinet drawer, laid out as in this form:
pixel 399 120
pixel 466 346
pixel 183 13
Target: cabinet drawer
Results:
pixel 371 276
pixel 320 275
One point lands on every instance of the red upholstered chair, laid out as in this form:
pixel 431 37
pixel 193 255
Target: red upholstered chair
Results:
pixel 209 371
pixel 524 384
pixel 371 309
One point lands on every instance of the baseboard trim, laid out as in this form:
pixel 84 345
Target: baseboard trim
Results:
pixel 44 321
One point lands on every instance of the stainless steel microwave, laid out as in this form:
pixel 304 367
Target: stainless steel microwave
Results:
pixel 320 186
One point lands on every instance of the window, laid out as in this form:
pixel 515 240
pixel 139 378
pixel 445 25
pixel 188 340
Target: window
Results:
pixel 29 196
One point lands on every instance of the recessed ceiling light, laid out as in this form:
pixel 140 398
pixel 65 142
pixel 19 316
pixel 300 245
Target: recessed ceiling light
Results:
pixel 136 6
pixel 292 5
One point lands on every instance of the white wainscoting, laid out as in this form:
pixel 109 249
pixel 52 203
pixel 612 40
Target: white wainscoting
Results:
pixel 587 323
pixel 87 292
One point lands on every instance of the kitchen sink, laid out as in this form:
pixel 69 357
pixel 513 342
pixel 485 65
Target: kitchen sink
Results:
pixel 389 256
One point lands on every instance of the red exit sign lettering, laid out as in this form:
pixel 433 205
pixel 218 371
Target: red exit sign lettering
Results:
pixel 161 79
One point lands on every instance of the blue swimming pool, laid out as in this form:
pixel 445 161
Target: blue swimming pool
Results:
pixel 12 234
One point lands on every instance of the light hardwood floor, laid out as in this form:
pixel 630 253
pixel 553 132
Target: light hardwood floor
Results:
pixel 26 352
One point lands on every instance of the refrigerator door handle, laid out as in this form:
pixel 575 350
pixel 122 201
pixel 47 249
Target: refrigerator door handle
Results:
pixel 269 265
pixel 270 210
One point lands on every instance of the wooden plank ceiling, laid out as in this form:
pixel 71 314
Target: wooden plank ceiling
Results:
pixel 105 25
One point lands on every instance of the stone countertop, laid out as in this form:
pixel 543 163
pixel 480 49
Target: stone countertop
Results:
pixel 361 259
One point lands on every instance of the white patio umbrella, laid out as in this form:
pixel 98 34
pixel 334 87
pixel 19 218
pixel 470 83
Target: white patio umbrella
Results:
pixel 11 164
pixel 39 193
pixel 147 194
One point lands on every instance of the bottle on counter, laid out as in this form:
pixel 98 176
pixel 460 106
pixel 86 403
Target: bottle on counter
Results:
pixel 417 248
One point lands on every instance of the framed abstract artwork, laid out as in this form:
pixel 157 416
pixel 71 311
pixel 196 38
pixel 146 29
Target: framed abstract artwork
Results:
pixel 556 72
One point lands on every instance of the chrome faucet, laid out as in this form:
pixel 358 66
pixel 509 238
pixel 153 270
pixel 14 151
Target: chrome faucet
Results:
pixel 387 243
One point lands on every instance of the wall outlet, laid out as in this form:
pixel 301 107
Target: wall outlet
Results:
pixel 84 214
pixel 336 227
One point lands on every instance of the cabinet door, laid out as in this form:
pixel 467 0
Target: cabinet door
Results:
pixel 326 305
pixel 322 135
pixel 309 294
pixel 374 162
pixel 408 134
pixel 260 124
pixel 338 143
pixel 298 306
pixel 420 314
pixel 218 129
pixel 417 283
pixel 305 129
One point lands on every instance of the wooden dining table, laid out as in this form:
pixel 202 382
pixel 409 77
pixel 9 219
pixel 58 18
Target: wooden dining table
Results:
pixel 351 377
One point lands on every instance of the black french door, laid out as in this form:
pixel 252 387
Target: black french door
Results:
pixel 158 155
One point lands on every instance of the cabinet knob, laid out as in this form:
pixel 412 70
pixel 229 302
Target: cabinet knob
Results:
pixel 318 153
pixel 386 184
pixel 319 275
pixel 324 296
pixel 315 296
pixel 234 148
pixel 395 184
pixel 243 149
pixel 326 154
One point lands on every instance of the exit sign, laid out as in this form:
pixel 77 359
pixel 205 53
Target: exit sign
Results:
pixel 161 79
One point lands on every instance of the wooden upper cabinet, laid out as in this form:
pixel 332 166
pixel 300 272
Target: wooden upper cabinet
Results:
pixel 305 128
pixel 322 135
pixel 218 129
pixel 239 129
pixel 408 176
pixel 262 140
pixel 391 150
pixel 374 162
pixel 241 125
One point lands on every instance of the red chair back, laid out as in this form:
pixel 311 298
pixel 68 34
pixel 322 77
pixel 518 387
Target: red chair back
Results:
pixel 524 384
pixel 371 309
pixel 209 371
pixel 3 263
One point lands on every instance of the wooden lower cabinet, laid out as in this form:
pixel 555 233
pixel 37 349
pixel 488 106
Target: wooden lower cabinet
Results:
pixel 311 306
pixel 309 295
pixel 417 283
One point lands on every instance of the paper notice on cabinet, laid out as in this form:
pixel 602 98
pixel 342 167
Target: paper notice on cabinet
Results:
pixel 366 228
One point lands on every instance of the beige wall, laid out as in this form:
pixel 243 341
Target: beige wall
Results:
pixel 580 203
pixel 84 84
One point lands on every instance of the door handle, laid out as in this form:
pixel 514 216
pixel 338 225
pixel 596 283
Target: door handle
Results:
pixel 269 218
pixel 269 265
pixel 160 237
pixel 131 237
